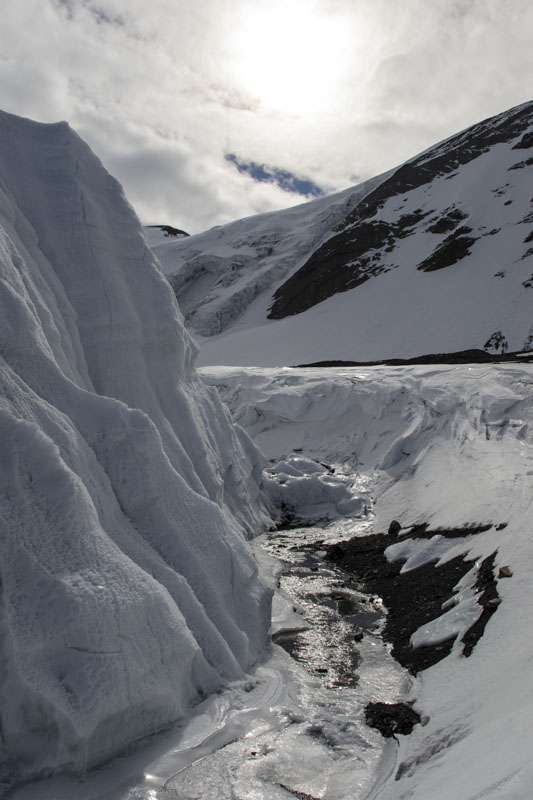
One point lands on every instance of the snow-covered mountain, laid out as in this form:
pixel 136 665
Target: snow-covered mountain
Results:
pixel 128 588
pixel 434 257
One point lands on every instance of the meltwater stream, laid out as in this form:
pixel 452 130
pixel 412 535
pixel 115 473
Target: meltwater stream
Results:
pixel 340 623
pixel 296 726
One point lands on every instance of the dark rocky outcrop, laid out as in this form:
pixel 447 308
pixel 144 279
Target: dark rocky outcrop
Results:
pixel 460 357
pixel 391 718
pixel 168 230
pixel 448 221
pixel 416 597
pixel 454 248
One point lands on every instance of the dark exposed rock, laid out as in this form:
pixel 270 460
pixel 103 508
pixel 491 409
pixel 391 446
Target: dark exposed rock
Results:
pixel 394 527
pixel 423 531
pixel 525 142
pixel 391 718
pixel 299 795
pixel 521 164
pixel 453 249
pixel 446 157
pixel 449 220
pixel 289 519
pixel 168 230
pixel 501 190
pixel 488 599
pixel 505 572
pixel 461 357
pixel 496 342
pixel 356 256
pixel 416 597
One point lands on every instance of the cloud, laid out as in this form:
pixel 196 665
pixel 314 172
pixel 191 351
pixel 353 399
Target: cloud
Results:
pixel 162 93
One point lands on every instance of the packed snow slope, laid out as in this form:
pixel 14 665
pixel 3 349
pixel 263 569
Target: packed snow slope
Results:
pixel 128 589
pixel 450 447
pixel 434 257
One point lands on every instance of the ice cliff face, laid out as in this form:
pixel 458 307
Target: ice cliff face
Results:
pixel 433 257
pixel 127 587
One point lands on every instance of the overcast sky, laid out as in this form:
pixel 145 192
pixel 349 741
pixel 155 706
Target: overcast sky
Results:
pixel 211 110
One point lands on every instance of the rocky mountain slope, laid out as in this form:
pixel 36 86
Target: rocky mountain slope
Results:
pixel 434 257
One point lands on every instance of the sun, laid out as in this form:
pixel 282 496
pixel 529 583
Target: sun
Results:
pixel 290 56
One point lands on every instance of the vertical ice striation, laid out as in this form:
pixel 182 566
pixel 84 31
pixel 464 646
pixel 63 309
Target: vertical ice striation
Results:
pixel 127 586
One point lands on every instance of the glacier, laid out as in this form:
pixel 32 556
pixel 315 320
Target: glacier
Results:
pixel 128 587
pixel 131 599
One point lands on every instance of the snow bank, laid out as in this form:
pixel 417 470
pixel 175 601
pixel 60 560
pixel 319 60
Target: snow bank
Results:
pixel 127 587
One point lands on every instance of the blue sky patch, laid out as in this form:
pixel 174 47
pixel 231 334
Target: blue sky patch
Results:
pixel 263 173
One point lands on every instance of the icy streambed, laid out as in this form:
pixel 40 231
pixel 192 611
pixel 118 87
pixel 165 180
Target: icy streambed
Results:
pixel 293 728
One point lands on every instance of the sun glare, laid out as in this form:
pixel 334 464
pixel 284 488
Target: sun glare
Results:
pixel 290 57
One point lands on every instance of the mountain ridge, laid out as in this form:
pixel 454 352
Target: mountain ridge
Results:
pixel 358 234
pixel 389 269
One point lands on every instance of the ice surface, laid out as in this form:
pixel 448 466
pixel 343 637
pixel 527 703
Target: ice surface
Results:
pixel 128 588
pixel 309 490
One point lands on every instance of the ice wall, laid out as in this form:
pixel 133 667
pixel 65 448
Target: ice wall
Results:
pixel 127 587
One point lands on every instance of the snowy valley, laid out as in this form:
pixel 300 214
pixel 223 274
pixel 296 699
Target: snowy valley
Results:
pixel 211 579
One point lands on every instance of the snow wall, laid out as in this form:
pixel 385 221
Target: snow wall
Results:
pixel 128 589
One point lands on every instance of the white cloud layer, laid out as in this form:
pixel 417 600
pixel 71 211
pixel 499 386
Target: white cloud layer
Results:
pixel 331 90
